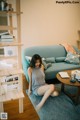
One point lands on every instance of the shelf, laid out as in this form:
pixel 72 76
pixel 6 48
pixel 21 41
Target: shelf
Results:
pixel 2 44
pixel 9 12
pixel 10 72
pixel 12 95
pixel 13 89
pixel 2 27
pixel 11 82
pixel 7 57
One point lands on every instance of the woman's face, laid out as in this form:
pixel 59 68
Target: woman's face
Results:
pixel 37 64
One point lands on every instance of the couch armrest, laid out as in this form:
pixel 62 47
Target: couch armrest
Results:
pixel 25 65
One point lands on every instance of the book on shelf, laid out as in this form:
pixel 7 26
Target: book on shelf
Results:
pixel 14 86
pixel 12 78
pixel 6 36
pixel 4 33
pixel 9 83
pixel 6 40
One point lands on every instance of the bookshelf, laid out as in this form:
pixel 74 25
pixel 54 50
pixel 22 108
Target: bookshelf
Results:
pixel 16 93
pixel 2 44
pixel 9 13
pixel 7 28
pixel 7 57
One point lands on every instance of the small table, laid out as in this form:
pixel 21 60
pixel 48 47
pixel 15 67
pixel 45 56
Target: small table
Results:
pixel 66 81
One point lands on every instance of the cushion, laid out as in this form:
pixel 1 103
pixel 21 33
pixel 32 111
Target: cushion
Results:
pixel 28 59
pixel 60 59
pixel 50 60
pixel 72 58
pixel 51 72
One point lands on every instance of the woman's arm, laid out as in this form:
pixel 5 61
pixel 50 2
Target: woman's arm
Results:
pixel 42 67
pixel 30 80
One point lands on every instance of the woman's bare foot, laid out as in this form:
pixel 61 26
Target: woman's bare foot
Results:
pixel 55 93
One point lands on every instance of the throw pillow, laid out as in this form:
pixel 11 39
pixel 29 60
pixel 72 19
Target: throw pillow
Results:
pixel 28 59
pixel 60 59
pixel 72 58
pixel 50 60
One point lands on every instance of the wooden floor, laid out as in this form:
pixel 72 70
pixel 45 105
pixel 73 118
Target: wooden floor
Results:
pixel 12 109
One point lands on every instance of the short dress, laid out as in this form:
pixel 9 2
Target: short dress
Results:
pixel 38 79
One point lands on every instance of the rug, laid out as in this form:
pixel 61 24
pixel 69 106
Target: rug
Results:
pixel 58 108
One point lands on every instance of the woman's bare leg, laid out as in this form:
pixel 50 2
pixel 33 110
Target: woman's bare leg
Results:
pixel 55 93
pixel 45 90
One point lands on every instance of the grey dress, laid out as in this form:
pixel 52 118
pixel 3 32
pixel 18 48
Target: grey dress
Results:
pixel 38 79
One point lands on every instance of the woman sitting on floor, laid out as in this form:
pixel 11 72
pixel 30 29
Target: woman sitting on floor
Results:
pixel 37 81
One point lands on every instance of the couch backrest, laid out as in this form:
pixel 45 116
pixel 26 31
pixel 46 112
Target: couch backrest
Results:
pixel 46 51
pixel 43 51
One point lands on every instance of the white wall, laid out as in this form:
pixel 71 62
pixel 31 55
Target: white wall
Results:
pixel 45 23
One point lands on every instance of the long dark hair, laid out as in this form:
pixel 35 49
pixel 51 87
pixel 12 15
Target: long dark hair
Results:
pixel 34 59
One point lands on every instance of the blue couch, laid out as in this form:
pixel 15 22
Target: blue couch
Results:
pixel 46 52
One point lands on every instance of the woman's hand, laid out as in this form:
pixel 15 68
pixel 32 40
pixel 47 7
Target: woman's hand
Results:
pixel 30 80
pixel 29 92
pixel 42 68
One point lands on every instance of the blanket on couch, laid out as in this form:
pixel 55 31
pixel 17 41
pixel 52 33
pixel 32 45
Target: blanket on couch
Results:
pixel 68 48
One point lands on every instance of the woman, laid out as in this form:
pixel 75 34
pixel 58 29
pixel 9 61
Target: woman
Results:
pixel 37 81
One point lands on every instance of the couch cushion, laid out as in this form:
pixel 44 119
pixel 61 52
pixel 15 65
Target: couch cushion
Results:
pixel 60 59
pixel 28 59
pixel 50 60
pixel 56 67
